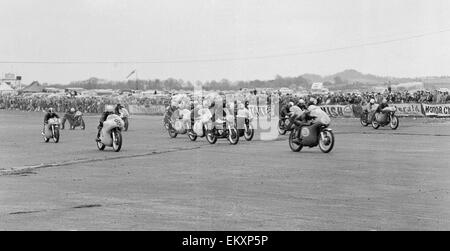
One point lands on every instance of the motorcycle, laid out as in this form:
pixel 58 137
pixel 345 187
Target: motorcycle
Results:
pixel 181 127
pixel 52 130
pixel 386 117
pixel 222 129
pixel 311 136
pixel 247 130
pixel 284 126
pixel 77 121
pixel 111 133
pixel 364 118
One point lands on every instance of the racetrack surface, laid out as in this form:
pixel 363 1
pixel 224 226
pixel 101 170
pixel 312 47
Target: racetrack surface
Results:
pixel 372 180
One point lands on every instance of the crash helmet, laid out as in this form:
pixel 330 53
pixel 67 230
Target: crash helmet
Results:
pixel 290 104
pixel 119 106
pixel 72 109
pixel 301 102
pixel 241 106
pixel 51 110
pixel 372 101
pixel 109 108
pixel 384 101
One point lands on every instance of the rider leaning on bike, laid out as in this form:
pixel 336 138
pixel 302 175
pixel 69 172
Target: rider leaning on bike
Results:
pixel 312 116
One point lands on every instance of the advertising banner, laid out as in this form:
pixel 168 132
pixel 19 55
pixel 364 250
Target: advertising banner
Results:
pixel 345 111
pixel 148 110
pixel 405 110
pixel 436 110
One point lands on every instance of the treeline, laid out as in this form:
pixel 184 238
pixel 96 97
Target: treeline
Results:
pixel 178 84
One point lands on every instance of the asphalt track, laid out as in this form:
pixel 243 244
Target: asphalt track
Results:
pixel 372 180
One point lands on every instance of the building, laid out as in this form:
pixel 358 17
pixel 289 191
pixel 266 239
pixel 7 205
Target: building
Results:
pixel 12 80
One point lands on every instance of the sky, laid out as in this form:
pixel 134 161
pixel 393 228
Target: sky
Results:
pixel 58 41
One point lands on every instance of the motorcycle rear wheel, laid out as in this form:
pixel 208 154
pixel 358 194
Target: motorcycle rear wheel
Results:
pixel 294 147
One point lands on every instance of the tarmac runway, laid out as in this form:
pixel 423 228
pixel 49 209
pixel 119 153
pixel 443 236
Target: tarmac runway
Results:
pixel 372 180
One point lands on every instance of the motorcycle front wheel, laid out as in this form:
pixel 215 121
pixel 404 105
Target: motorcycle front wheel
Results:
pixel 249 133
pixel 100 146
pixel 117 140
pixel 326 141
pixel 394 122
pixel 192 136
pixel 211 137
pixel 281 131
pixel 375 124
pixel 172 133
pixel 364 118
pixel 56 135
pixel 233 136
pixel 294 146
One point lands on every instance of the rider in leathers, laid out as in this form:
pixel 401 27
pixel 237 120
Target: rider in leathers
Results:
pixel 109 109
pixel 49 115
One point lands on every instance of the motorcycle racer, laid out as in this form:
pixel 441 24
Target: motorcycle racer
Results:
pixel 49 115
pixel 70 115
pixel 109 109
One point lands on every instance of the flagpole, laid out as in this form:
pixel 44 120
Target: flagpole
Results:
pixel 137 87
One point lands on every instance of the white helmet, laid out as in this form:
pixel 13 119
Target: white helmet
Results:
pixel 72 109
pixel 241 106
pixel 313 101
pixel 301 101
pixel 109 108
pixel 372 101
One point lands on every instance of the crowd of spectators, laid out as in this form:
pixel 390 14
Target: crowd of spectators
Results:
pixel 346 98
pixel 94 104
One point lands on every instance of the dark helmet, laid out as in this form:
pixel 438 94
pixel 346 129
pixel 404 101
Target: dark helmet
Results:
pixel 119 106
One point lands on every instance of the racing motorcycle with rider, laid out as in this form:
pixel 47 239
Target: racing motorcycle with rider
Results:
pixel 51 126
pixel 311 130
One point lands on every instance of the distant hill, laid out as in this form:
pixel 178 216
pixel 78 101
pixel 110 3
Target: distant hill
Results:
pixel 347 79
